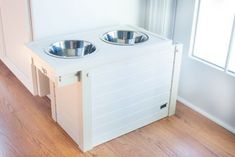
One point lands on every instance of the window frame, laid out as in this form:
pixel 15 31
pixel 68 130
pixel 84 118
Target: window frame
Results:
pixel 193 38
pixel 232 40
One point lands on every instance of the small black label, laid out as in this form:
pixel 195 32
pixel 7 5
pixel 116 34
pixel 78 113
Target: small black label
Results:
pixel 163 106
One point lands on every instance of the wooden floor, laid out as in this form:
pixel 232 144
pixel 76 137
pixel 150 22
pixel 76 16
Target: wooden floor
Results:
pixel 26 130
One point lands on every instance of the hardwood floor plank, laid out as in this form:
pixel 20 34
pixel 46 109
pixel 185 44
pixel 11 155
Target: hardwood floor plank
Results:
pixel 174 141
pixel 27 130
pixel 26 127
pixel 211 135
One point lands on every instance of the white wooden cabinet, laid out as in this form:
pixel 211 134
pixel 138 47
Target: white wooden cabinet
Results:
pixel 113 92
pixel 116 98
pixel 15 32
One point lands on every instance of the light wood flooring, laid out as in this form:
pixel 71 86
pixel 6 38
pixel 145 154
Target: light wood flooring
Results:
pixel 27 130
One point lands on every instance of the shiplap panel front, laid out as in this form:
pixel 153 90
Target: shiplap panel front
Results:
pixel 127 95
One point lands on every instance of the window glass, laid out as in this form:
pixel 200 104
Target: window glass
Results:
pixel 213 31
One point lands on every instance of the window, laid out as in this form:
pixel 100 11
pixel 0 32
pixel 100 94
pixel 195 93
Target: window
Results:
pixel 214 33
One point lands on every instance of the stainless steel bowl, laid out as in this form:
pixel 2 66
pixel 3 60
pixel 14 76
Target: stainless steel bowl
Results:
pixel 124 37
pixel 70 49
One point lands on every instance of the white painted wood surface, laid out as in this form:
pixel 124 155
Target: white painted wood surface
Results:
pixel 175 77
pixel 86 112
pixel 43 85
pixel 127 95
pixel 68 109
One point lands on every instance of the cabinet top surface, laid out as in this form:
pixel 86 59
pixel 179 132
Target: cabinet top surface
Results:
pixel 105 53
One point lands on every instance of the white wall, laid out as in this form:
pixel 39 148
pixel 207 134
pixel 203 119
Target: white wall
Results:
pixel 14 34
pixel 51 17
pixel 208 90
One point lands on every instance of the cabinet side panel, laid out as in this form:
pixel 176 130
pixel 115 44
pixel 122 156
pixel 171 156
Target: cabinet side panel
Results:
pixel 68 107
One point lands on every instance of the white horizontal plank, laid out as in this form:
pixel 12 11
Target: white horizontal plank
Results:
pixel 151 58
pixel 116 101
pixel 130 87
pixel 114 114
pixel 128 94
pixel 140 76
pixel 128 127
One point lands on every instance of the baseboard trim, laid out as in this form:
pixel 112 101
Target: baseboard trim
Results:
pixel 207 115
pixel 19 75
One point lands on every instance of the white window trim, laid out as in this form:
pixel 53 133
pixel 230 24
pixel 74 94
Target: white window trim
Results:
pixel 193 38
pixel 230 47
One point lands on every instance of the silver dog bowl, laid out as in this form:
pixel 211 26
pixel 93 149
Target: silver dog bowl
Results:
pixel 124 37
pixel 70 49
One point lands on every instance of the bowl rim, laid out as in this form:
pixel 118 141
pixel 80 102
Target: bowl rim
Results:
pixel 46 50
pixel 121 44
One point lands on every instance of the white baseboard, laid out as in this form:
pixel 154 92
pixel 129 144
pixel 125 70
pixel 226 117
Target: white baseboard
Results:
pixel 20 76
pixel 207 115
